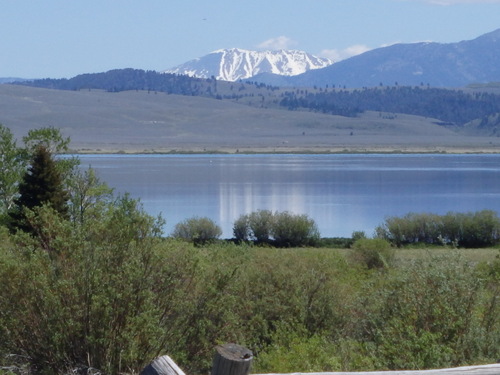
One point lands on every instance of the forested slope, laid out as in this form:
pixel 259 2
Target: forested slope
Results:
pixel 452 107
pixel 449 106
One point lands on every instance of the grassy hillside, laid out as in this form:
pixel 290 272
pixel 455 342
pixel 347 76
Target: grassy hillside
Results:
pixel 142 121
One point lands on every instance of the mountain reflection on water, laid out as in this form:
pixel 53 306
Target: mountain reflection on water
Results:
pixel 342 193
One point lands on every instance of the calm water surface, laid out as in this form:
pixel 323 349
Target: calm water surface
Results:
pixel 342 193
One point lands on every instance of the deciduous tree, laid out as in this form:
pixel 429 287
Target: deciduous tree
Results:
pixel 13 164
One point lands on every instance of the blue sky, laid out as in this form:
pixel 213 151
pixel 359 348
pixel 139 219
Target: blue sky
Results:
pixel 63 38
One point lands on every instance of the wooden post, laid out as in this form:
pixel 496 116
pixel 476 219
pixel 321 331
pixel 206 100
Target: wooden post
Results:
pixel 231 359
pixel 162 366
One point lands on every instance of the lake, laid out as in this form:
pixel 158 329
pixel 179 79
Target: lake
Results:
pixel 342 193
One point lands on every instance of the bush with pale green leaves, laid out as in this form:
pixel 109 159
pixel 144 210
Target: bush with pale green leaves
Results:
pixel 372 253
pixel 282 229
pixel 198 230
pixel 471 229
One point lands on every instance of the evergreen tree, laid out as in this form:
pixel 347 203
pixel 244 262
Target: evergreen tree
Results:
pixel 41 185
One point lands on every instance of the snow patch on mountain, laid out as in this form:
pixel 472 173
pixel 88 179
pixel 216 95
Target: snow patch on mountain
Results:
pixel 235 64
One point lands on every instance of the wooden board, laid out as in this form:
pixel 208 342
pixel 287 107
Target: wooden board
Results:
pixel 163 365
pixel 467 370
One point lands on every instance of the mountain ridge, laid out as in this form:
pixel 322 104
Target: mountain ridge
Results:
pixel 233 64
pixel 425 63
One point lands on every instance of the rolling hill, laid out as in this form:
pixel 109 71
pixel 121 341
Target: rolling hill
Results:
pixel 142 121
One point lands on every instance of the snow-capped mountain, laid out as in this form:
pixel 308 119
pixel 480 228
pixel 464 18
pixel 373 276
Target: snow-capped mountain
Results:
pixel 234 64
pixel 415 64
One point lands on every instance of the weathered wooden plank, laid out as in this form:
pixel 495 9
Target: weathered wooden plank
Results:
pixel 466 370
pixel 232 359
pixel 163 365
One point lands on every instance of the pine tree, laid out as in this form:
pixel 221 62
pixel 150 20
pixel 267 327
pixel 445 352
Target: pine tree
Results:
pixel 41 185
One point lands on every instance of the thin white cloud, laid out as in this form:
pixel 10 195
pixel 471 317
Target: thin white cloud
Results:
pixel 280 42
pixel 342 54
pixel 393 43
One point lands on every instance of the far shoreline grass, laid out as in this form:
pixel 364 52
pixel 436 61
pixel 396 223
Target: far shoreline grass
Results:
pixel 288 151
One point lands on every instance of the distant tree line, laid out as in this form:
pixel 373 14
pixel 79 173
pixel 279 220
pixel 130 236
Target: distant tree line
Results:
pixel 129 79
pixel 118 80
pixel 469 230
pixel 451 107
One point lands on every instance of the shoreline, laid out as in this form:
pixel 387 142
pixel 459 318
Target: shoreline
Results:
pixel 288 150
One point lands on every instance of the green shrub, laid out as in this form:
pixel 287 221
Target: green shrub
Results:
pixel 260 224
pixel 335 242
pixel 198 230
pixel 479 229
pixel 281 228
pixel 411 228
pixel 372 253
pixel 291 230
pixel 241 229
pixel 293 350
pixel 427 315
pixel 78 298
pixel 112 294
pixel 256 226
pixel 358 235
